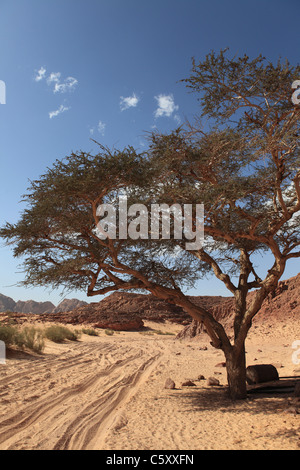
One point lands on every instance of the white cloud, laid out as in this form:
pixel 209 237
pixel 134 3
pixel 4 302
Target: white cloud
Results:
pixel 68 85
pixel 58 85
pixel 101 127
pixel 128 102
pixel 60 110
pixel 40 74
pixel 166 106
pixel 53 78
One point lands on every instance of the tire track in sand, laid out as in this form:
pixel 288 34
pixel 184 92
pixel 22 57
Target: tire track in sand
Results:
pixel 79 416
pixel 89 429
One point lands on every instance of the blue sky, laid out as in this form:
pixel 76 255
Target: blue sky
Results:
pixel 110 70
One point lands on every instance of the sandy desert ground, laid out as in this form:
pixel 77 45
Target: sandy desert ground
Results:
pixel 107 393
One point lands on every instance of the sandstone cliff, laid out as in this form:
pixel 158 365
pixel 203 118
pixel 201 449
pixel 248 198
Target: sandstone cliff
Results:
pixel 127 311
pixel 283 305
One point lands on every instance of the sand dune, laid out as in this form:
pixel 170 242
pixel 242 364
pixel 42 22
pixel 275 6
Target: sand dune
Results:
pixel 107 392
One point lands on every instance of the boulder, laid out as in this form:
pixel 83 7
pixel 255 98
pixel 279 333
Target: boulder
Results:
pixel 201 377
pixel 188 383
pixel 169 384
pixel 212 381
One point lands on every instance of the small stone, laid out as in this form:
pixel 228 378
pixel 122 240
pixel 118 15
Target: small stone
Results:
pixel 170 384
pixel 212 381
pixel 221 364
pixel 188 383
pixel 201 377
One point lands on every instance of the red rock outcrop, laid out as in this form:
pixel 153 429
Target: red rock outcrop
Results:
pixel 222 312
pixel 121 311
pixel 94 314
pixel 122 308
pixel 89 316
pixel 282 305
pixel 126 311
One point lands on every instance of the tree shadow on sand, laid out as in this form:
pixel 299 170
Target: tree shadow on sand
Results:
pixel 17 354
pixel 264 404
pixel 217 398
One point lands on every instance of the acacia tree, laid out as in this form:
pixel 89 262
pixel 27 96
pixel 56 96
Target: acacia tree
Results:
pixel 242 164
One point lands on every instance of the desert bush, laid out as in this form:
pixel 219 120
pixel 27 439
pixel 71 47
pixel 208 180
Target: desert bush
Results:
pixel 109 332
pixel 58 334
pixel 90 332
pixel 166 333
pixel 31 338
pixel 72 335
pixel 10 322
pixel 7 334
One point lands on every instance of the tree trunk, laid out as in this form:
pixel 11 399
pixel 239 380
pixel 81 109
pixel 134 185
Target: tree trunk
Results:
pixel 235 357
pixel 236 374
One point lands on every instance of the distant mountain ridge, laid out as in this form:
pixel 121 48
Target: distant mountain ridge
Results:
pixel 6 303
pixel 124 310
pixel 31 306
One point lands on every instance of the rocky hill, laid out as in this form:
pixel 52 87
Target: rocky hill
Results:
pixel 283 305
pixel 6 303
pixel 67 305
pixel 128 311
pixel 119 311
pixel 30 306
